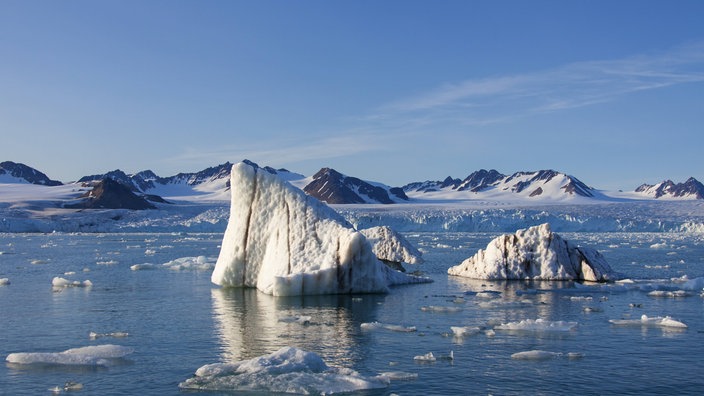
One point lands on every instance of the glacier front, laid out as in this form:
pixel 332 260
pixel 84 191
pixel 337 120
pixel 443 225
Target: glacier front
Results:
pixel 283 242
pixel 535 253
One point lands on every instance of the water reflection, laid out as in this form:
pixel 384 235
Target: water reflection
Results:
pixel 250 323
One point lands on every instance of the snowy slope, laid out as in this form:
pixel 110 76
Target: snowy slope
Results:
pixel 690 189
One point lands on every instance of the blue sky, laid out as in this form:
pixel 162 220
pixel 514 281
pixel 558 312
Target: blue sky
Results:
pixel 611 92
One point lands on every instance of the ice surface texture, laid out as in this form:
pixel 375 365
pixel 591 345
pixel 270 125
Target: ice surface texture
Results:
pixel 535 253
pixel 283 242
pixel 99 355
pixel 389 245
pixel 288 370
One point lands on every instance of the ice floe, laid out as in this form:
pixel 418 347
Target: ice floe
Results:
pixel 288 370
pixel 385 326
pixel 59 282
pixel 537 325
pixel 464 331
pixel 4 281
pixel 655 321
pixel 98 355
pixel 116 334
pixel 537 355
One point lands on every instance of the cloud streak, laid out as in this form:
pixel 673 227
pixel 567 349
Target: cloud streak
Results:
pixel 501 98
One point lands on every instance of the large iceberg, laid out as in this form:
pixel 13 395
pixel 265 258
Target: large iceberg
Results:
pixel 284 242
pixel 535 253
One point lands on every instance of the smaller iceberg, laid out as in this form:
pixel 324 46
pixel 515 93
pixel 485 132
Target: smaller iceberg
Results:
pixel 288 370
pixel 59 282
pixel 391 247
pixel 535 253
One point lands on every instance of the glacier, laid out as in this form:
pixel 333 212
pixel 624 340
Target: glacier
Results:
pixel 535 253
pixel 284 242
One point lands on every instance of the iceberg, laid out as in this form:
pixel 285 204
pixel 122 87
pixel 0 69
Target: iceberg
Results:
pixel 535 253
pixel 288 370
pixel 535 354
pixel 286 243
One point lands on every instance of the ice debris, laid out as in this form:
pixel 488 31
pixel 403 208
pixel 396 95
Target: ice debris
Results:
pixel 284 242
pixel 288 370
pixel 535 253
pixel 392 327
pixel 59 282
pixel 537 325
pixel 657 321
pixel 99 355
pixel 4 281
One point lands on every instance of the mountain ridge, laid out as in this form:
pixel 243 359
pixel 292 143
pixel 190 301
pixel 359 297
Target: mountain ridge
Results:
pixel 334 187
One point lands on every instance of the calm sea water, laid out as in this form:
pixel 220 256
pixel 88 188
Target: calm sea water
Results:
pixel 178 321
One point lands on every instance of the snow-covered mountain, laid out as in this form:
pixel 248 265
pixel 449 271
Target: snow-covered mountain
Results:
pixel 13 172
pixel 490 184
pixel 210 183
pixel 332 187
pixel 690 189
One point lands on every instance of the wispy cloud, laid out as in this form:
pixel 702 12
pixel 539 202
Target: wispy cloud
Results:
pixel 287 150
pixel 501 98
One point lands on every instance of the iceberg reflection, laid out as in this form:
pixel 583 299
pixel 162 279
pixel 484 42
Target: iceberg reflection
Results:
pixel 250 323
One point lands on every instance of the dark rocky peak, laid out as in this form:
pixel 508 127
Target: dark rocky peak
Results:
pixel 481 180
pixel 333 187
pixel 22 171
pixel 111 194
pixel 116 175
pixel 690 188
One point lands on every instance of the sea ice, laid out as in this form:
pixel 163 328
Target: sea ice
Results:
pixel 284 242
pixel 4 281
pixel 537 325
pixel 535 355
pixel 392 327
pixel 99 355
pixel 59 282
pixel 288 370
pixel 463 331
pixel 117 334
pixel 399 375
pixel 428 357
pixel 657 321
pixel 535 253
pixel 199 263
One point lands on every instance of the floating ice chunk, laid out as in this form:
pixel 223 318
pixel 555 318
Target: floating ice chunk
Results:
pixel 4 281
pixel 537 325
pixel 661 245
pixel 392 327
pixel 428 357
pixel 199 263
pixel 535 253
pixel 670 293
pixel 581 298
pixel 59 282
pixel 99 355
pixel 284 242
pixel 38 261
pixel 145 266
pixel 304 320
pixel 535 355
pixel 288 370
pixel 117 334
pixel 657 321
pixel 399 375
pixel 440 309
pixel 463 331
pixel 71 386
pixel 389 245
pixel 107 262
